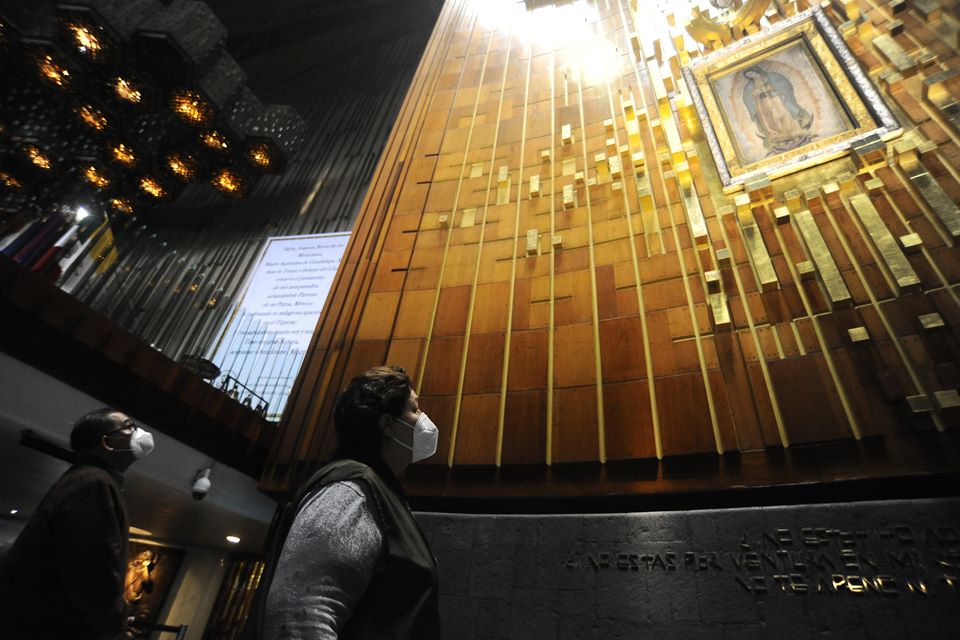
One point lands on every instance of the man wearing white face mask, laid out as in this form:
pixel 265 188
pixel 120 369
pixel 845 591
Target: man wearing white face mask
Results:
pixel 350 560
pixel 63 577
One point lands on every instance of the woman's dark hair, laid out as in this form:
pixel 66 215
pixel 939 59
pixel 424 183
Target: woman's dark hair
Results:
pixel 89 429
pixel 368 396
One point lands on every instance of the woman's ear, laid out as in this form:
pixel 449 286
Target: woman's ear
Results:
pixel 386 425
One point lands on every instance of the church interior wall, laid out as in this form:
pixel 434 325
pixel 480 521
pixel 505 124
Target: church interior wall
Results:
pixel 573 278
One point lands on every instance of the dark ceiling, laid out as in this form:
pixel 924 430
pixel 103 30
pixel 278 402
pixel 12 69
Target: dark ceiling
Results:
pixel 292 50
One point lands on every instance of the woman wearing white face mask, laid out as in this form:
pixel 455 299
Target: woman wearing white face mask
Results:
pixel 349 560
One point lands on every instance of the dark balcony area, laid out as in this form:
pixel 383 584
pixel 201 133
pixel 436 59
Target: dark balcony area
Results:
pixel 52 331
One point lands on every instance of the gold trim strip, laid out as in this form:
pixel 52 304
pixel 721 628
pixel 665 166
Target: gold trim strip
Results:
pixel 881 314
pixel 505 373
pixel 648 211
pixel 718 308
pixel 691 306
pixel 951 113
pixel 814 322
pixel 818 250
pixel 903 273
pixel 934 88
pixel 797 338
pixel 641 309
pixel 453 209
pixel 951 291
pixel 892 51
pixel 767 380
pixel 598 368
pixel 775 332
pixel 553 255
pixel 695 219
pixel 454 430
pixel 936 199
pixel 757 250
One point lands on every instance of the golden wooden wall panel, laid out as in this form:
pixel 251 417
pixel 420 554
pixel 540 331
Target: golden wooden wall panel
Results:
pixel 628 419
pixel 548 249
pixel 522 442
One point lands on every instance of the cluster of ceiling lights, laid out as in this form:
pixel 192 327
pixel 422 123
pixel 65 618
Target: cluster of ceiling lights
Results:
pixel 132 102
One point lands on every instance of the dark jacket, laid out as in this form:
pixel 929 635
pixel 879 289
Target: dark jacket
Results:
pixel 401 600
pixel 63 577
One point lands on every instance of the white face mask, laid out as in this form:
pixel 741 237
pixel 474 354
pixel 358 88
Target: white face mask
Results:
pixel 425 437
pixel 141 443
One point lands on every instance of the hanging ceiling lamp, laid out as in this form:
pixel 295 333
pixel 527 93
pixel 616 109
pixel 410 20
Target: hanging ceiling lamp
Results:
pixel 183 166
pixel 92 117
pixel 128 101
pixel 191 108
pixel 123 154
pixel 273 137
pixel 152 187
pixel 37 157
pixel 127 90
pixel 9 181
pixel 214 140
pixel 261 155
pixel 52 71
pixel 95 176
pixel 122 205
pixel 85 40
pixel 230 182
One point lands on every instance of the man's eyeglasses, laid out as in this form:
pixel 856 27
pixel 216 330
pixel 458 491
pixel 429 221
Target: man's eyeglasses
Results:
pixel 127 424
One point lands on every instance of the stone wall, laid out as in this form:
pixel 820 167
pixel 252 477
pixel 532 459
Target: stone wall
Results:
pixel 886 569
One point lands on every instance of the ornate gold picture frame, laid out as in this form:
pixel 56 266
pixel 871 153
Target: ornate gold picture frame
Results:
pixel 784 99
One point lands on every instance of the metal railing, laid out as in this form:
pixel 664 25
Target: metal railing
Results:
pixel 243 394
pixel 179 630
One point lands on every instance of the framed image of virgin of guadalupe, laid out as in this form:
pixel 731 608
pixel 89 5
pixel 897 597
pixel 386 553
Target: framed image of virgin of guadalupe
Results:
pixel 785 99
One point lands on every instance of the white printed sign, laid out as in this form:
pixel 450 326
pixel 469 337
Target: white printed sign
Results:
pixel 290 284
pixel 264 341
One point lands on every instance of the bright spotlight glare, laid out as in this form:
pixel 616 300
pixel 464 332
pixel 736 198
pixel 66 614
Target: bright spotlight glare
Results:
pixel 82 212
pixel 233 539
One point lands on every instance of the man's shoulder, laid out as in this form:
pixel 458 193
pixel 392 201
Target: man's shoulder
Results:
pixel 90 473
pixel 83 479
